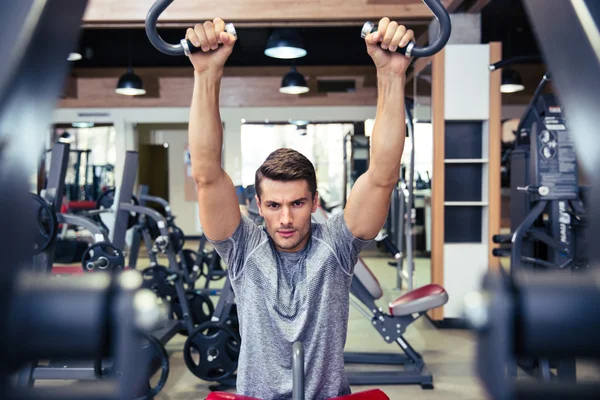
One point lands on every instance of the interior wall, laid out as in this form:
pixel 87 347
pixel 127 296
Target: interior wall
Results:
pixel 125 121
pixel 169 125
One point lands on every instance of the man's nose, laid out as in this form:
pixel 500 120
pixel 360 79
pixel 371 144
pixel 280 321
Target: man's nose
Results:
pixel 286 217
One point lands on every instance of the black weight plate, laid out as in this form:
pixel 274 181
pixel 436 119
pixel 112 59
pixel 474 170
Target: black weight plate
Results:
pixel 114 256
pixel 47 224
pixel 160 358
pixel 155 279
pixel 201 308
pixel 107 199
pixel 211 352
pixel 177 238
pixel 213 260
pixel 188 261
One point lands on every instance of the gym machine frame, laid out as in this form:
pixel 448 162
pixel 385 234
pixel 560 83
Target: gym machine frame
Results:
pixel 64 369
pixel 36 308
pixel 511 315
pixel 123 210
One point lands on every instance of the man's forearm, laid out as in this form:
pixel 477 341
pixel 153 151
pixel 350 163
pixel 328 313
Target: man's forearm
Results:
pixel 389 132
pixel 205 131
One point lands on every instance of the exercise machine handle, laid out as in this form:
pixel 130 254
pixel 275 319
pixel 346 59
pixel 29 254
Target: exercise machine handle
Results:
pixel 298 371
pixel 411 49
pixel 184 47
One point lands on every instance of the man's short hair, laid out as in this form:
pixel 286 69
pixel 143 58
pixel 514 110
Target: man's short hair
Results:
pixel 286 165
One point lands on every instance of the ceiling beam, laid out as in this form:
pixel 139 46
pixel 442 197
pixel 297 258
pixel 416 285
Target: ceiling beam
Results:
pixel 453 5
pixel 133 12
pixel 315 71
pixel 478 6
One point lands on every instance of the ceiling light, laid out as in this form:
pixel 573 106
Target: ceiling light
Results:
pixel 511 81
pixel 74 57
pixel 82 124
pixel 293 83
pixel 298 121
pixel 66 137
pixel 130 84
pixel 285 43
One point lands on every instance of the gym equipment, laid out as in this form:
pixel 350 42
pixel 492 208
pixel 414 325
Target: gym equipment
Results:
pixel 168 282
pixel 402 312
pixel 38 316
pixel 211 351
pixel 194 264
pixel 184 47
pixel 200 304
pixel 160 280
pixel 160 359
pixel 298 383
pixel 102 256
pixel 411 50
pixel 511 319
pixel 552 314
pixel 46 222
pixel 544 181
pixel 106 201
pixel 400 218
pixel 217 348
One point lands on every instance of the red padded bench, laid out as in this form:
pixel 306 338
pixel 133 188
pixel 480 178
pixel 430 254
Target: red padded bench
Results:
pixel 374 394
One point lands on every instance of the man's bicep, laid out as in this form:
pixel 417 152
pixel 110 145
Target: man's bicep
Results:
pixel 219 209
pixel 367 208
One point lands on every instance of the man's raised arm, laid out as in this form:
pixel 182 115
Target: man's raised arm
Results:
pixel 369 201
pixel 219 209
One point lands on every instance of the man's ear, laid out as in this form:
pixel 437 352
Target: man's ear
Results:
pixel 315 204
pixel 258 204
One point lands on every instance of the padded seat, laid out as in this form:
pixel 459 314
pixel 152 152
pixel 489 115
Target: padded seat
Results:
pixel 419 300
pixel 374 394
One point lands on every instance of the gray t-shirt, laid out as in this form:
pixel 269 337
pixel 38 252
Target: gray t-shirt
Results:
pixel 287 297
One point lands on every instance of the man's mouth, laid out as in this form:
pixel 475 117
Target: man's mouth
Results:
pixel 286 233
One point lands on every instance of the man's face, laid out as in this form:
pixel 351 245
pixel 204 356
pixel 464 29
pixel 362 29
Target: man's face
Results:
pixel 286 208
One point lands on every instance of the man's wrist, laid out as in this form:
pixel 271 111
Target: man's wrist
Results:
pixel 389 77
pixel 208 75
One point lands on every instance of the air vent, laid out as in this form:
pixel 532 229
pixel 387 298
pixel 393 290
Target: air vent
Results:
pixel 336 86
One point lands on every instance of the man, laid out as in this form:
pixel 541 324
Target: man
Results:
pixel 292 281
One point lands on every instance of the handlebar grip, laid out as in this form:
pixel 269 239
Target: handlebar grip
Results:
pixel 411 50
pixel 189 48
pixel 501 252
pixel 370 27
pixel 502 239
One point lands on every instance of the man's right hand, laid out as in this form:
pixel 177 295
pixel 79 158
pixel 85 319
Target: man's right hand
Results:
pixel 209 36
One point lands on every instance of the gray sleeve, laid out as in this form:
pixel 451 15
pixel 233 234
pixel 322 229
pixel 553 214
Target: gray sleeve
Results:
pixel 345 245
pixel 235 250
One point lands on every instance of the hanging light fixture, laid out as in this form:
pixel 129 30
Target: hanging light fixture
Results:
pixel 74 57
pixel 511 81
pixel 293 83
pixel 129 83
pixel 285 43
